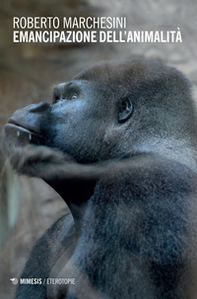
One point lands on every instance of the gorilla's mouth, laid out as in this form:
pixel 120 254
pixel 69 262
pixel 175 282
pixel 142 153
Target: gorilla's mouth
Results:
pixel 22 135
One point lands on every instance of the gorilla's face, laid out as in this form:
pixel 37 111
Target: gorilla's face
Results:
pixel 78 121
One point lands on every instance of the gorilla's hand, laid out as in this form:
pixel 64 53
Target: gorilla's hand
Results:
pixel 53 165
pixel 38 161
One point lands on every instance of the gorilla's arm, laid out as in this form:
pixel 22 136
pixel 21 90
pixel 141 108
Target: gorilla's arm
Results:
pixel 52 165
pixel 59 239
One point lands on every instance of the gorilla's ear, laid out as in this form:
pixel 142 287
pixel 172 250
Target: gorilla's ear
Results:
pixel 125 109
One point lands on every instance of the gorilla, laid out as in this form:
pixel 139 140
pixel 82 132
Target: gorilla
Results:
pixel 118 143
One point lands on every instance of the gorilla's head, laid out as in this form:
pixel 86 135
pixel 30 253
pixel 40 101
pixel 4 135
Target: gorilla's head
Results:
pixel 112 110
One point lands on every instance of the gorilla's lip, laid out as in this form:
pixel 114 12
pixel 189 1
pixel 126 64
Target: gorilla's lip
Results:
pixel 23 135
pixel 17 126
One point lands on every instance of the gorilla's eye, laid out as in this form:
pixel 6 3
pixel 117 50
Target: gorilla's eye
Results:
pixel 73 96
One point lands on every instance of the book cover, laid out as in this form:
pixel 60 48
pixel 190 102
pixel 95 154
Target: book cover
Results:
pixel 45 43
